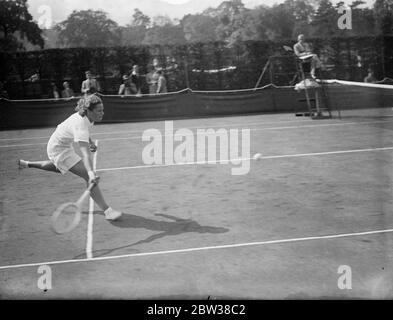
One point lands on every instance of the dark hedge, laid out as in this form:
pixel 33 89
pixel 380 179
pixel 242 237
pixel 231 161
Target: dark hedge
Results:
pixel 187 66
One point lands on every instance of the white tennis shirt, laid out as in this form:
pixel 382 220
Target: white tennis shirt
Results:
pixel 74 129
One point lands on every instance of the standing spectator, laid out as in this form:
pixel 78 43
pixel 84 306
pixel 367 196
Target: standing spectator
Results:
pixel 35 86
pixel 156 64
pixel 161 83
pixel 55 91
pixel 171 69
pixel 370 76
pixel 3 92
pixel 90 85
pixel 136 80
pixel 152 81
pixel 152 77
pixel 171 64
pixel 125 87
pixel 67 92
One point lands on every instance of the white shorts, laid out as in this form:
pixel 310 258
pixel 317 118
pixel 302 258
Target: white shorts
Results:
pixel 63 158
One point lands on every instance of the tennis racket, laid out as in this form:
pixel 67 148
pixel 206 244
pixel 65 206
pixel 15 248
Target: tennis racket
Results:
pixel 68 215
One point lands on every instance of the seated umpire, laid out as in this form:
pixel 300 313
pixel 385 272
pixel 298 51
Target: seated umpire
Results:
pixel 303 51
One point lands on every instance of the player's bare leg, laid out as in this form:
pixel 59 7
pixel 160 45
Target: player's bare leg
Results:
pixel 110 214
pixel 43 165
pixel 80 170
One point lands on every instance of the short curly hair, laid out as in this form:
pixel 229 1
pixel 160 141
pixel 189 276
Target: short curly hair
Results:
pixel 87 102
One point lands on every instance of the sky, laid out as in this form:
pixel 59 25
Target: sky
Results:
pixel 121 10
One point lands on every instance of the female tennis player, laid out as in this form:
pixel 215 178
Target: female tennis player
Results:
pixel 61 153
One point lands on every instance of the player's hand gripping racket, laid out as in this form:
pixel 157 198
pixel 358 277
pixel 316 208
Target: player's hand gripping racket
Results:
pixel 68 215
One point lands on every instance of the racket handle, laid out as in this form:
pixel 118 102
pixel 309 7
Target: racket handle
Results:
pixel 85 194
pixel 91 186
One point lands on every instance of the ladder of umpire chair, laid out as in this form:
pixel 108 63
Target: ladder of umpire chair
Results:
pixel 325 97
pixel 303 78
pixel 314 104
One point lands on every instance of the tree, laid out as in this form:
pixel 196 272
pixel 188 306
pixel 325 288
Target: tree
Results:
pixel 199 28
pixel 88 28
pixel 226 9
pixel 324 23
pixel 241 27
pixel 230 19
pixel 303 12
pixel 139 19
pixel 51 37
pixel 168 34
pixel 279 22
pixel 384 16
pixel 134 33
pixel 16 25
pixel 162 20
pixel 228 13
pixel 363 20
pixel 164 32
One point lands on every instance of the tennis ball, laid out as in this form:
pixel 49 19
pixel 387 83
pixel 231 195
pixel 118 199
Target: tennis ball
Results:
pixel 257 156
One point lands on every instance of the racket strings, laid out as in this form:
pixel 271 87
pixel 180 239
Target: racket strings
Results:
pixel 66 218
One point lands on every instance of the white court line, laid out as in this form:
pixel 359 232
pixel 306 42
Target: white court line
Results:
pixel 197 127
pixel 226 161
pixel 23 145
pixel 193 127
pixel 89 240
pixel 254 129
pixel 229 246
pixel 31 138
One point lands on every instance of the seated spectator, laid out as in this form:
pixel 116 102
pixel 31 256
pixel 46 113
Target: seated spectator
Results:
pixel 67 92
pixel 370 76
pixel 303 51
pixel 125 87
pixel 161 83
pixel 90 85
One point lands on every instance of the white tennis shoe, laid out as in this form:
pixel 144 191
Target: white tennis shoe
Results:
pixel 22 164
pixel 111 214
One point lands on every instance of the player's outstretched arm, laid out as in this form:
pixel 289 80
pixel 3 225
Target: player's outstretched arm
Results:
pixel 84 147
pixel 92 146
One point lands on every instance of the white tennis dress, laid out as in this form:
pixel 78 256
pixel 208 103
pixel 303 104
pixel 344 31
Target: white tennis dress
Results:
pixel 60 147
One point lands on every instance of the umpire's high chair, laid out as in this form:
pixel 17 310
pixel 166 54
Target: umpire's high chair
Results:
pixel 319 103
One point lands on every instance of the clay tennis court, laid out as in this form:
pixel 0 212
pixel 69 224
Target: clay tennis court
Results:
pixel 320 198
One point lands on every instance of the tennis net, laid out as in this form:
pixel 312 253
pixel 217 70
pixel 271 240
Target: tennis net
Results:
pixel 360 100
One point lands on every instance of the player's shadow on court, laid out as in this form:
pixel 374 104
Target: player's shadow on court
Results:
pixel 166 228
